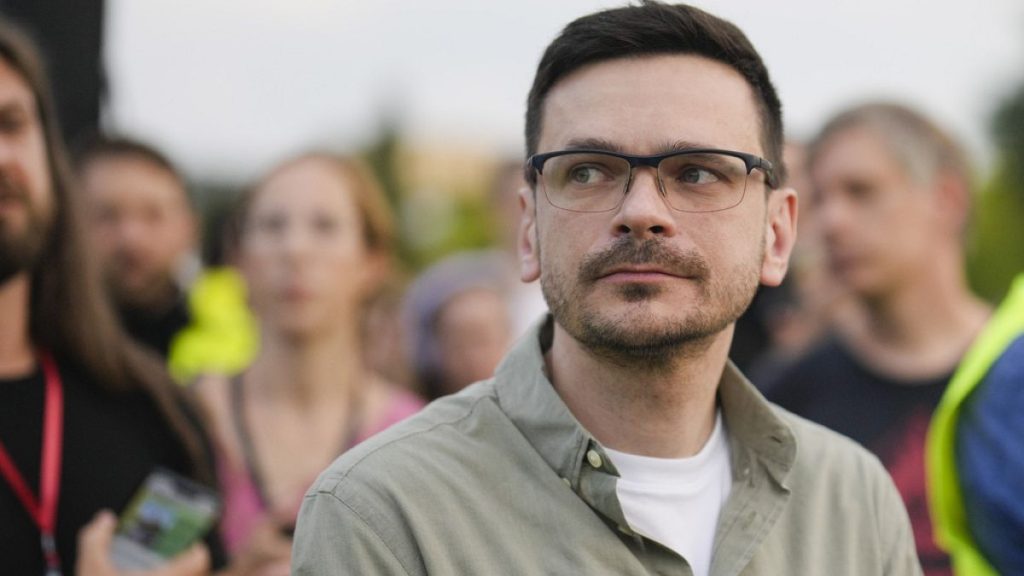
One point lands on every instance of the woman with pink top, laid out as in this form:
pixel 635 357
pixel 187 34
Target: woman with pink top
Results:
pixel 314 240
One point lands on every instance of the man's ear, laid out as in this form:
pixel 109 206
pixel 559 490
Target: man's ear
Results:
pixel 529 249
pixel 953 202
pixel 780 235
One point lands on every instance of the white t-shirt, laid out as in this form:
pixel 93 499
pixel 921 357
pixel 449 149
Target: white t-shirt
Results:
pixel 676 501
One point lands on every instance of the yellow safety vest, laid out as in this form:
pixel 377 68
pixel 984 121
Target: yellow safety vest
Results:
pixel 222 337
pixel 944 495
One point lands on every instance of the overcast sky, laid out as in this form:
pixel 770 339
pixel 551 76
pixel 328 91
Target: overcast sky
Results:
pixel 229 86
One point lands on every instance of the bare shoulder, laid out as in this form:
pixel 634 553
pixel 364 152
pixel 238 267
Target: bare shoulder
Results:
pixel 211 391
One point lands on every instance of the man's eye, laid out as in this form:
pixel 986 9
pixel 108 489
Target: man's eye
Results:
pixel 860 190
pixel 585 175
pixel 325 225
pixel 697 175
pixel 270 224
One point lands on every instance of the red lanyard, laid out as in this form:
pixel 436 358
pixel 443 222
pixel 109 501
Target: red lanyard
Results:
pixel 44 509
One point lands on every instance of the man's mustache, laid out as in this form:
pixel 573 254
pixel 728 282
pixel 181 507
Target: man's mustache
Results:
pixel 10 190
pixel 651 252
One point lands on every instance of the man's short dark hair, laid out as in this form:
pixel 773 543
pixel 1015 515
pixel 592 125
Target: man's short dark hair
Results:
pixel 651 29
pixel 98 147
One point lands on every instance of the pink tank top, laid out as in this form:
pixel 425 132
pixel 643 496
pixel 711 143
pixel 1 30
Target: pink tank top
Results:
pixel 244 505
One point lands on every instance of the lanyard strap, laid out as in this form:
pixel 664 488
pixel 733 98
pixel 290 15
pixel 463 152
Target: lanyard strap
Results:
pixel 44 509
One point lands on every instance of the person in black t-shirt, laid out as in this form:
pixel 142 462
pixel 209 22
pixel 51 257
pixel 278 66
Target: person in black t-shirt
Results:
pixel 890 195
pixel 85 414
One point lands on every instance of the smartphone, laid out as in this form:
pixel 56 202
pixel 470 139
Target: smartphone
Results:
pixel 167 515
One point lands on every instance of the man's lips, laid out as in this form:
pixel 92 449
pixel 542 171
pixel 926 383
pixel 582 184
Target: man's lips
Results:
pixel 638 273
pixel 12 204
pixel 11 192
pixel 642 261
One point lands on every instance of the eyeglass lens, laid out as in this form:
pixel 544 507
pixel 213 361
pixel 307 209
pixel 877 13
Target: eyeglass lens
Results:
pixel 690 182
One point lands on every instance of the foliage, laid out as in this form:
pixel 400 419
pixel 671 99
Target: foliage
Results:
pixel 468 221
pixel 996 250
pixel 997 244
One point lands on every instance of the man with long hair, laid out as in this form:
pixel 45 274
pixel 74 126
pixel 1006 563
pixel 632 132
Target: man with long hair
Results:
pixel 85 414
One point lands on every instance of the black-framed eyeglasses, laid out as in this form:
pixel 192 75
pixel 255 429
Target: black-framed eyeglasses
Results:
pixel 694 180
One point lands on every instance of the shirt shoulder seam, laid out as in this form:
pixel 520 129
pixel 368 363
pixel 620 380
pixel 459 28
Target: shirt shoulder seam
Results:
pixel 343 474
pixel 371 529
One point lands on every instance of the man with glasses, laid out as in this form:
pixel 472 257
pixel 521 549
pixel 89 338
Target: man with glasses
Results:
pixel 616 438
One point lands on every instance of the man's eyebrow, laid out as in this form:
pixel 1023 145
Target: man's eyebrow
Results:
pixel 593 144
pixel 684 145
pixel 609 146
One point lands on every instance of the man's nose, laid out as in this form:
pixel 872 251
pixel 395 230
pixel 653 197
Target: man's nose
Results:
pixel 7 151
pixel 296 242
pixel 644 211
pixel 133 231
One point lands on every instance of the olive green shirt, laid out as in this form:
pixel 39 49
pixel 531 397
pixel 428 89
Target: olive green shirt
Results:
pixel 502 479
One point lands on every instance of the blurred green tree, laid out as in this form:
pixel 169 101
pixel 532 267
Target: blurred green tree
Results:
pixel 468 223
pixel 996 251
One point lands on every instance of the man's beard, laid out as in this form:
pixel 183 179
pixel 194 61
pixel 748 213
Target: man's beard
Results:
pixel 20 250
pixel 153 292
pixel 646 338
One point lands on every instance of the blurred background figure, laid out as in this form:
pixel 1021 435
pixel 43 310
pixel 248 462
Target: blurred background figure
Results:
pixel 314 242
pixel 459 321
pixel 384 335
pixel 145 229
pixel 85 413
pixel 891 193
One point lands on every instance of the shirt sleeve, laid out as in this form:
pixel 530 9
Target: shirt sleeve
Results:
pixel 332 539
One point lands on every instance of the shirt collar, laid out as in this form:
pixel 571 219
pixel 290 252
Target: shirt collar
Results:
pixel 527 396
pixel 755 428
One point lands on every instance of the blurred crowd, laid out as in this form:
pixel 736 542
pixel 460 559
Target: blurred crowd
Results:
pixel 313 332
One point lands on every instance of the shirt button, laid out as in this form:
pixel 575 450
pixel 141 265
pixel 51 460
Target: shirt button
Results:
pixel 594 458
pixel 567 482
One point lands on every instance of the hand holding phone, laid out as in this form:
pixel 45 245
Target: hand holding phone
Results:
pixel 167 515
pixel 94 558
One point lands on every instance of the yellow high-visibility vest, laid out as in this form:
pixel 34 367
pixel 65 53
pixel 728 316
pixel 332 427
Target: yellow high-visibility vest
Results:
pixel 944 492
pixel 222 337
